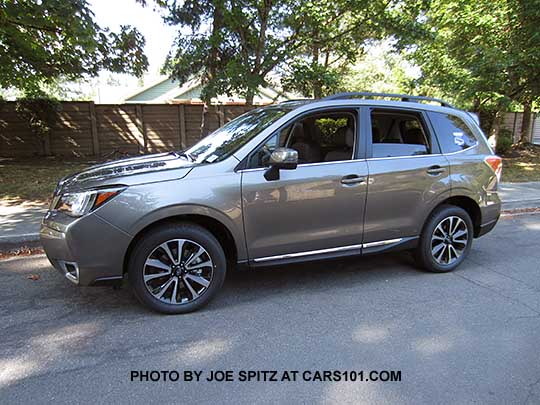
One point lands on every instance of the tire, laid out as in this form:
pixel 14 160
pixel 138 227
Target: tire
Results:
pixel 157 273
pixel 438 253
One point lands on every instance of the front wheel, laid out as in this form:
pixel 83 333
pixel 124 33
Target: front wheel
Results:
pixel 177 268
pixel 446 239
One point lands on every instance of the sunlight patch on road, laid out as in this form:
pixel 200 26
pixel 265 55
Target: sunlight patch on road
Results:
pixel 15 369
pixel 433 345
pixel 67 337
pixel 204 350
pixel 356 392
pixel 366 334
pixel 46 352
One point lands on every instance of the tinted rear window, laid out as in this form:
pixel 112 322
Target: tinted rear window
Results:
pixel 453 134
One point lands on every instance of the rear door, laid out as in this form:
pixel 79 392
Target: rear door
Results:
pixel 407 175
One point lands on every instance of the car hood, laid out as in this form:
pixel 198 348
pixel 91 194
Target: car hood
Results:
pixel 137 170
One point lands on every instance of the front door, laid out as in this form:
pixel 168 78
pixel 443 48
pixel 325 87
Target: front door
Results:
pixel 315 209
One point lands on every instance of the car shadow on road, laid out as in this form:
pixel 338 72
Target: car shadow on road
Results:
pixel 246 286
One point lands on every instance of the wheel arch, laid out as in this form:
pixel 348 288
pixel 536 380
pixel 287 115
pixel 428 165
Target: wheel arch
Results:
pixel 468 204
pixel 215 226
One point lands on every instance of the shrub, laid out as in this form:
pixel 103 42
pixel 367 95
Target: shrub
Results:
pixel 504 142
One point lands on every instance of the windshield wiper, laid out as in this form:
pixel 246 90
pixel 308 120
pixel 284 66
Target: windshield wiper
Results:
pixel 184 155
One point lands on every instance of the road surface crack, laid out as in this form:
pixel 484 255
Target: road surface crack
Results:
pixel 496 292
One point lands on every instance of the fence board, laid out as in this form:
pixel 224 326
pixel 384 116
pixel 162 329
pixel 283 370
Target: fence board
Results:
pixel 87 129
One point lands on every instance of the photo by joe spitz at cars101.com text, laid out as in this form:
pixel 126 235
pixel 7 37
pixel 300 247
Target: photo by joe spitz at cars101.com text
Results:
pixel 293 182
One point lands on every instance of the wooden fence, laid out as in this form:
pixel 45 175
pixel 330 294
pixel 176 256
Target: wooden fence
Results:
pixel 513 122
pixel 87 129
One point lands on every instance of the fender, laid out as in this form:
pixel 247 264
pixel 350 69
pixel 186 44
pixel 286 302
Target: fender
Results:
pixel 193 209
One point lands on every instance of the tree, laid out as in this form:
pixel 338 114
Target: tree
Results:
pixel 483 54
pixel 43 42
pixel 233 45
pixel 336 33
pixel 382 69
pixel 230 45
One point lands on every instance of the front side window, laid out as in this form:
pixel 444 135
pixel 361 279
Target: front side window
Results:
pixel 228 139
pixel 321 137
pixel 453 134
pixel 398 133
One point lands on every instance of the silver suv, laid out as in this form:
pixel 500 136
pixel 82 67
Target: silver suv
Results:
pixel 302 180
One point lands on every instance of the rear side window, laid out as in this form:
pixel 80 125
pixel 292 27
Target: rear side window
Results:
pixel 398 133
pixel 453 134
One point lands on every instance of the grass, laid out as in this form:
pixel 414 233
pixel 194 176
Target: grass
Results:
pixel 34 179
pixel 521 163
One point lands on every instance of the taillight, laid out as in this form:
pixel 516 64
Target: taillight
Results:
pixel 495 162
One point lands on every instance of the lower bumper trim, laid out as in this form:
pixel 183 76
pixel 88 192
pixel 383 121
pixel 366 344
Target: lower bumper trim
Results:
pixel 70 270
pixel 485 228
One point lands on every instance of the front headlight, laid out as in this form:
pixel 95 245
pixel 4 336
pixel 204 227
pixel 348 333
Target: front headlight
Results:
pixel 79 204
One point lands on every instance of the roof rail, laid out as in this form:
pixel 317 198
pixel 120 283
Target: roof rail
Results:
pixel 403 97
pixel 296 100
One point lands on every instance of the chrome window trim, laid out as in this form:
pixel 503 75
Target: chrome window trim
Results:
pixel 306 164
pixel 369 159
pixel 463 150
pixel 405 157
pixel 330 250
pixel 424 156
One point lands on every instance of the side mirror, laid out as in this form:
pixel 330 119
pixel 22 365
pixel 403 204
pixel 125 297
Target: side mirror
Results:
pixel 281 158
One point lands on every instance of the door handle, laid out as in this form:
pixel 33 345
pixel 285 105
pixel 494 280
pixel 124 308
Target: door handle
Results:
pixel 435 170
pixel 353 179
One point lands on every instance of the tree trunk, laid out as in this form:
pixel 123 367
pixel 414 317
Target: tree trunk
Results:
pixel 495 129
pixel 526 123
pixel 217 23
pixel 315 52
pixel 249 97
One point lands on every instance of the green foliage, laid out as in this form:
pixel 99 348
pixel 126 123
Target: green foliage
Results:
pixel 40 114
pixel 504 142
pixel 483 53
pixel 233 45
pixel 329 126
pixel 303 77
pixel 44 41
pixel 381 69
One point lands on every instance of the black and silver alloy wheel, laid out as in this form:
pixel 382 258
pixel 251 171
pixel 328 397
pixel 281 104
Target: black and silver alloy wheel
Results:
pixel 178 271
pixel 177 268
pixel 446 239
pixel 449 240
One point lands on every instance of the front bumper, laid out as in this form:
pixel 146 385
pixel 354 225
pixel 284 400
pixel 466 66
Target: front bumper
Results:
pixel 86 250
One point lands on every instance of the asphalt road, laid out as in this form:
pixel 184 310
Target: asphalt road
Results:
pixel 472 336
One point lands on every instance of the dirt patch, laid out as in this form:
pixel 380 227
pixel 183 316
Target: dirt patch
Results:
pixel 522 163
pixel 21 251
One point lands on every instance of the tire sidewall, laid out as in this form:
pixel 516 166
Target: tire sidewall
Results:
pixel 156 237
pixel 427 259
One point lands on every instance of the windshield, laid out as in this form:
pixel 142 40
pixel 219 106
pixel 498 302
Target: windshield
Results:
pixel 222 143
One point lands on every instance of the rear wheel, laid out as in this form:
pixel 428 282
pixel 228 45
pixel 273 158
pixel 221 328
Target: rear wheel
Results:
pixel 446 239
pixel 177 268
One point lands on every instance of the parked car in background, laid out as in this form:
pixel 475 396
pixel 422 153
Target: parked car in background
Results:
pixel 301 180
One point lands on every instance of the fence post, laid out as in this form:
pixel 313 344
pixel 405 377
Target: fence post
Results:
pixel 142 128
pixel 47 144
pixel 531 134
pixel 514 128
pixel 93 129
pixel 221 115
pixel 182 126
